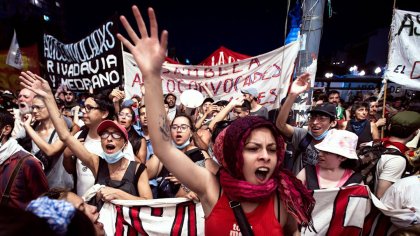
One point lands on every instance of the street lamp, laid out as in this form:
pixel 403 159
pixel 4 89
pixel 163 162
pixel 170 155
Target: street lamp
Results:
pixel 329 75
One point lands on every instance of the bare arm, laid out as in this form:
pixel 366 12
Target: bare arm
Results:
pixel 225 111
pixel 383 185
pixel 300 85
pixel 68 162
pixel 49 149
pixel 374 130
pixel 41 87
pixel 149 54
pixel 141 154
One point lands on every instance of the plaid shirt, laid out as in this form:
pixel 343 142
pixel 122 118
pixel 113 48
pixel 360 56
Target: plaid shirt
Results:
pixel 30 181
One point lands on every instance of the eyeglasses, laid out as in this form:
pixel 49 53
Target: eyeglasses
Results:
pixel 37 107
pixel 69 93
pixel 128 115
pixel 89 108
pixel 319 117
pixel 182 127
pixel 114 135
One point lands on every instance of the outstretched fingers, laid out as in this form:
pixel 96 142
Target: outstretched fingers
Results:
pixel 153 23
pixel 164 40
pixel 133 36
pixel 140 22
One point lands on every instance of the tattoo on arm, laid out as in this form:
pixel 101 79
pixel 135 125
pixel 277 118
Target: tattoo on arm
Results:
pixel 164 128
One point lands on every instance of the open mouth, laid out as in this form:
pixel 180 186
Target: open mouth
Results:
pixel 110 147
pixel 261 173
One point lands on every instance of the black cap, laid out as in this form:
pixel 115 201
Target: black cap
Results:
pixel 208 100
pixel 325 108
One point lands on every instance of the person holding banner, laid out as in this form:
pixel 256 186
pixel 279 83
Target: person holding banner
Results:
pixel 122 179
pixel 250 151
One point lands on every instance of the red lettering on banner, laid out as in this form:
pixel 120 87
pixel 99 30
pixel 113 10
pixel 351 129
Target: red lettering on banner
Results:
pixel 165 71
pixel 221 72
pixel 137 79
pixel 172 82
pixel 180 81
pixel 278 69
pixel 258 76
pixel 227 89
pixel 235 84
pixel 274 93
pixel 192 70
pixel 247 81
pixel 177 71
pixel 254 61
pixel 208 73
pixel 217 88
pixel 234 69
pixel 190 85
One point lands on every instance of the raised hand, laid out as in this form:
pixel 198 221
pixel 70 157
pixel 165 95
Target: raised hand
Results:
pixel 27 120
pixel 35 83
pixel 147 51
pixel 301 84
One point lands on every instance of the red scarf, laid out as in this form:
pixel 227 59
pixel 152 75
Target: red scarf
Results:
pixel 298 200
pixel 401 146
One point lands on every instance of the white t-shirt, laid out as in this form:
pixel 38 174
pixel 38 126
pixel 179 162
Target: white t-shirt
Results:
pixel 389 168
pixel 85 178
pixel 402 196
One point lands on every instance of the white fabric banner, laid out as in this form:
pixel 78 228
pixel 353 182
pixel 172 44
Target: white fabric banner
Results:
pixel 338 211
pixel 404 51
pixel 269 73
pixel 166 216
pixel 14 57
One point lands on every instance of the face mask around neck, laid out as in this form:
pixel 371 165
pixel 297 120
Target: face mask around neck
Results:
pixel 182 146
pixel 114 157
pixel 320 137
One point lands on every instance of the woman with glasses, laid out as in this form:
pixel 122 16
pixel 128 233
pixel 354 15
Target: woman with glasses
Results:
pixel 46 145
pixel 126 118
pixel 123 179
pixel 182 131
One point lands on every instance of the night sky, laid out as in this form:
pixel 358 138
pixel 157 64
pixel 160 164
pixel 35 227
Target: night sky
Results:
pixel 197 28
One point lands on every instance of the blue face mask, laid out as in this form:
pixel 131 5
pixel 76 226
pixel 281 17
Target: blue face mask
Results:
pixel 182 146
pixel 114 157
pixel 320 137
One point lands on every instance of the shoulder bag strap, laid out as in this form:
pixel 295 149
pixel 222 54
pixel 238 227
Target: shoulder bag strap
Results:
pixel 311 177
pixel 51 137
pixel 241 218
pixel 5 197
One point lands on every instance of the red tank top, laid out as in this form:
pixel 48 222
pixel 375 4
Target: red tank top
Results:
pixel 221 220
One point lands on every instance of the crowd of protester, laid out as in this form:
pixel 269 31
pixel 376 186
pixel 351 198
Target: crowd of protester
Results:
pixel 56 146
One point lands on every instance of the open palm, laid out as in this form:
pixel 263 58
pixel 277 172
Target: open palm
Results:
pixel 147 50
pixel 35 83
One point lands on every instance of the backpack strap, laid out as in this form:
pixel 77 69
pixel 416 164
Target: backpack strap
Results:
pixel 408 168
pixel 355 178
pixel 304 143
pixel 6 197
pixel 311 177
pixel 241 219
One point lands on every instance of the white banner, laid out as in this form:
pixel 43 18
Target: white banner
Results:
pixel 338 211
pixel 166 216
pixel 404 51
pixel 14 57
pixel 269 73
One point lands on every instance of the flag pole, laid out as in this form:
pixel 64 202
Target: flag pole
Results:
pixel 385 80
